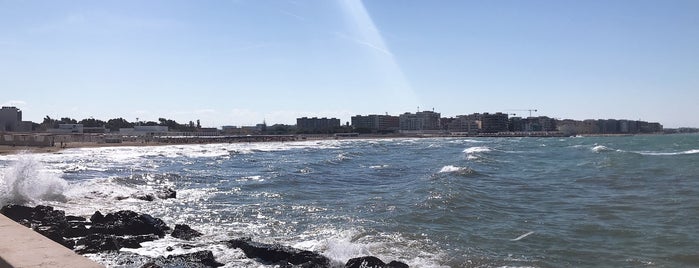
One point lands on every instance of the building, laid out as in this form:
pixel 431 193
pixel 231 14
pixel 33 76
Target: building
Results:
pixel 376 123
pixel 10 118
pixel 494 123
pixel 317 125
pixel 420 121
pixel 68 128
pixel 462 124
pixel 144 130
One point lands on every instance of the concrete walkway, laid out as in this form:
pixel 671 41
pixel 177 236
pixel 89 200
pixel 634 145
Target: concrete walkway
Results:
pixel 22 247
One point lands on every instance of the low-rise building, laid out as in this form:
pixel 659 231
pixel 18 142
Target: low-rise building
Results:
pixel 316 125
pixel 376 123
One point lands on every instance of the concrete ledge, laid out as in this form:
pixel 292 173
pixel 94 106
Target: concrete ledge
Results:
pixel 22 247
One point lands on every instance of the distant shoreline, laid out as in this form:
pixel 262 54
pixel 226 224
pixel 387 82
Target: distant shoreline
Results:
pixel 9 150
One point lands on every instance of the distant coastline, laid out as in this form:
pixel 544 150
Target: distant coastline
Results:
pixel 162 141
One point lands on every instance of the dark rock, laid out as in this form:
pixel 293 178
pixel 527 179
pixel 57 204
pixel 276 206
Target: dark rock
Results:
pixel 183 231
pixel 75 218
pixel 205 257
pixel 97 217
pixel 397 264
pixel 95 243
pixel 151 265
pixel 144 197
pixel 167 193
pixel 17 212
pixel 278 254
pixel 127 222
pixel 373 262
pixel 169 248
pixel 76 230
pixel 54 233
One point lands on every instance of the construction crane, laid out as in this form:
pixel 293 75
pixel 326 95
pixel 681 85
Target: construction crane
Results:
pixel 528 110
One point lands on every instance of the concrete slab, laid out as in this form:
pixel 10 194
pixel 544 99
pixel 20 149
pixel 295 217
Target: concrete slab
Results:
pixel 22 247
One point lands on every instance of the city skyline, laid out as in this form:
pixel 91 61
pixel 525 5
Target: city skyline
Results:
pixel 244 62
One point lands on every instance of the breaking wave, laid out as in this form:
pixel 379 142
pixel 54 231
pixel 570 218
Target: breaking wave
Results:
pixel 25 182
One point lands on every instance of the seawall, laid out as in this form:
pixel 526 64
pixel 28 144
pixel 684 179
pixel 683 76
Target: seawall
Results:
pixel 22 247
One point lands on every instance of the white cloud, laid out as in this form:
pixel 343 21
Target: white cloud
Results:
pixel 16 103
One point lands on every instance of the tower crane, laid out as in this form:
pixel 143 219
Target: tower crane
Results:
pixel 528 110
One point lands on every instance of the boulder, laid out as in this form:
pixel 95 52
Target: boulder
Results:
pixel 166 193
pixel 373 262
pixel 95 243
pixel 127 222
pixel 278 254
pixel 205 258
pixel 183 231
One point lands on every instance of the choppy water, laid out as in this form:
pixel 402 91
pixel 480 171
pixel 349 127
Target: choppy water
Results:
pixel 476 202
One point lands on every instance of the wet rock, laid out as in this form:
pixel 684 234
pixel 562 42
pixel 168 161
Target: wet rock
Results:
pixel 278 254
pixel 205 258
pixel 75 218
pixel 127 222
pixel 76 229
pixel 95 243
pixel 144 197
pixel 372 262
pixel 183 231
pixel 54 233
pixel 167 193
pixel 17 212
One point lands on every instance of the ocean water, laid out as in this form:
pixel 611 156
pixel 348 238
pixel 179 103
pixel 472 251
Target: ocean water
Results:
pixel 447 202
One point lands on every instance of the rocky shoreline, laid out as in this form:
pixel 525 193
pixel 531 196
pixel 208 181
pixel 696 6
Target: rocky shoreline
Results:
pixel 128 229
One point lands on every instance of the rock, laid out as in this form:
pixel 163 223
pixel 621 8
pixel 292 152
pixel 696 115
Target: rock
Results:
pixel 17 212
pixel 151 265
pixel 54 233
pixel 97 217
pixel 205 257
pixel 167 193
pixel 127 222
pixel 95 243
pixel 144 197
pixel 183 231
pixel 75 218
pixel 169 248
pixel 373 262
pixel 278 254
pixel 76 229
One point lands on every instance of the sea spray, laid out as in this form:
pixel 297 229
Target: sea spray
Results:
pixel 24 182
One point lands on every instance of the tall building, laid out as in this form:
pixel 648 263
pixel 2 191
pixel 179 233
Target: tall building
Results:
pixel 426 120
pixel 305 124
pixel 10 118
pixel 376 123
pixel 463 124
pixel 493 123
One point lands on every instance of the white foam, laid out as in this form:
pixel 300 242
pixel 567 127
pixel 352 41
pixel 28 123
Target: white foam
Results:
pixel 695 151
pixel 600 148
pixel 26 182
pixel 477 149
pixel 450 169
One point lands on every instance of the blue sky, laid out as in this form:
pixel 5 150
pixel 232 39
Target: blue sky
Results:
pixel 243 61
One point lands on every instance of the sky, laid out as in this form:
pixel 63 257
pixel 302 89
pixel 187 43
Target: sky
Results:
pixel 242 62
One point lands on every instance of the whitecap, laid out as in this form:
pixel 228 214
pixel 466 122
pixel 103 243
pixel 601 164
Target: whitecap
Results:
pixel 695 151
pixel 477 149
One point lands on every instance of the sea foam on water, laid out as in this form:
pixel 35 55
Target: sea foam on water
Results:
pixel 24 182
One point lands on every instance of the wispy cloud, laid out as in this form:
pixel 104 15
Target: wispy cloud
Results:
pixel 362 42
pixel 15 103
pixel 293 15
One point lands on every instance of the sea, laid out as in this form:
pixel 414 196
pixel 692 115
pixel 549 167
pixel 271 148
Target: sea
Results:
pixel 629 201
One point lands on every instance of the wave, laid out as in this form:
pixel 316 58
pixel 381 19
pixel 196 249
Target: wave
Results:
pixel 694 151
pixel 25 182
pixel 457 170
pixel 601 148
pixel 477 149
